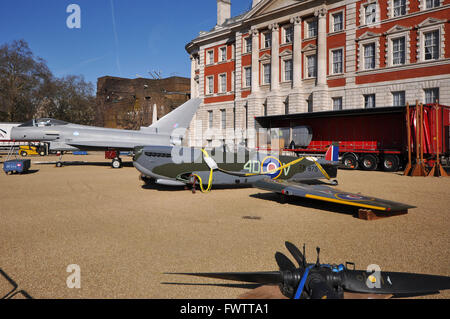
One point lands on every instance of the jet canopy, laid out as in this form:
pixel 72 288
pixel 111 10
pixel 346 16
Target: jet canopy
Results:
pixel 43 122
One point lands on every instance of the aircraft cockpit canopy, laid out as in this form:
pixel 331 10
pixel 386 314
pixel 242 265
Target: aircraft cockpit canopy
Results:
pixel 43 122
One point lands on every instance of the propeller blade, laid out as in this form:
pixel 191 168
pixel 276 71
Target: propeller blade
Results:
pixel 265 277
pixel 295 252
pixel 283 262
pixel 394 282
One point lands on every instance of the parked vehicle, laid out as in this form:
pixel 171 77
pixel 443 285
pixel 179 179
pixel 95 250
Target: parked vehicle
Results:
pixel 368 138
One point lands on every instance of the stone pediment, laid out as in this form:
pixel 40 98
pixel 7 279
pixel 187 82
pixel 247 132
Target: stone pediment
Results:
pixel 368 35
pixel 430 21
pixel 269 6
pixel 309 47
pixel 286 53
pixel 397 28
pixel 265 56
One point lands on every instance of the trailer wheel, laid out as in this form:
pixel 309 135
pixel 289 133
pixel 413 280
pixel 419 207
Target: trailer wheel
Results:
pixel 23 153
pixel 350 161
pixel 391 163
pixel 369 162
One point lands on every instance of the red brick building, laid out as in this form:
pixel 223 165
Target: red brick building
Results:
pixel 286 56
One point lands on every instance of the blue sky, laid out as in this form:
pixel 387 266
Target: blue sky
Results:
pixel 125 38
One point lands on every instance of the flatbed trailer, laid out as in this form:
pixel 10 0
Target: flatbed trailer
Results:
pixel 370 138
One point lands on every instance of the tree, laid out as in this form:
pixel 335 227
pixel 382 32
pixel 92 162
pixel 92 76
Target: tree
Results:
pixel 70 99
pixel 23 81
pixel 28 89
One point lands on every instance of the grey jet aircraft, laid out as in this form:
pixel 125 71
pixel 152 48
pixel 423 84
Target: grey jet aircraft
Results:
pixel 286 175
pixel 63 136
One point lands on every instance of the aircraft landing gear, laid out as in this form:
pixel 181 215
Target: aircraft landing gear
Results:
pixel 116 163
pixel 59 163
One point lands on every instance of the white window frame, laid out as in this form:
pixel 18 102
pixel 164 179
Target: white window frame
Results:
pixel 365 39
pixel 209 57
pixel 365 96
pixel 221 57
pixel 222 76
pixel 307 56
pixel 263 77
pixel 362 12
pixel 223 119
pixel 341 103
pixel 331 61
pixel 285 34
pixel 391 9
pixel 210 119
pixel 332 24
pixel 436 89
pixel 308 30
pixel 435 4
pixel 291 71
pixel 373 57
pixel 394 94
pixel 430 25
pixel 210 85
pixel 247 76
pixel 267 40
pixel 394 33
pixel 248 44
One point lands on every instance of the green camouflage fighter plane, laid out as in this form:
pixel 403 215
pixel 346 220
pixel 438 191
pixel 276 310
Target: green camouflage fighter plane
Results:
pixel 287 175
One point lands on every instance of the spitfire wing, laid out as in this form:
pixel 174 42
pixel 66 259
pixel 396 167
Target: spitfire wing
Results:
pixel 328 194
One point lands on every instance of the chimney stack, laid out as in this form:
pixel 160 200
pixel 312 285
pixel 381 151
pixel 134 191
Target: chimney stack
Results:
pixel 223 11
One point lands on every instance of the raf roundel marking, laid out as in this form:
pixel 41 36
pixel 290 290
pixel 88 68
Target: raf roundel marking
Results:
pixel 350 197
pixel 271 163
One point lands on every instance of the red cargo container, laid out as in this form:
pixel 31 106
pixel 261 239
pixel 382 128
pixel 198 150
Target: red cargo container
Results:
pixel 369 138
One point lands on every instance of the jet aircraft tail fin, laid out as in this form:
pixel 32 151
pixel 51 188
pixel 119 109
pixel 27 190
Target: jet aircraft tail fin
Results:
pixel 332 153
pixel 179 118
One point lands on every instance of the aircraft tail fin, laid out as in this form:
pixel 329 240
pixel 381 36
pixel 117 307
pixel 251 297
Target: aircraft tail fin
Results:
pixel 332 153
pixel 181 117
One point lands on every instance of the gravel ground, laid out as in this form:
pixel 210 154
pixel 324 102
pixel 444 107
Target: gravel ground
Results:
pixel 125 236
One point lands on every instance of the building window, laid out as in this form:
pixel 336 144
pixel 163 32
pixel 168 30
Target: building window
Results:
pixel 210 119
pixel 288 70
pixel 310 104
pixel 398 51
pixel 431 44
pixel 248 44
pixel 267 39
pixel 311 66
pixel 338 21
pixel 223 54
pixel 210 88
pixel 266 73
pixel 337 103
pixel 223 83
pixel 210 57
pixel 369 56
pixel 312 28
pixel 248 76
pixel 369 101
pixel 337 61
pixel 431 95
pixel 370 13
pixel 224 119
pixel 399 8
pixel 288 34
pixel 432 4
pixel 398 98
